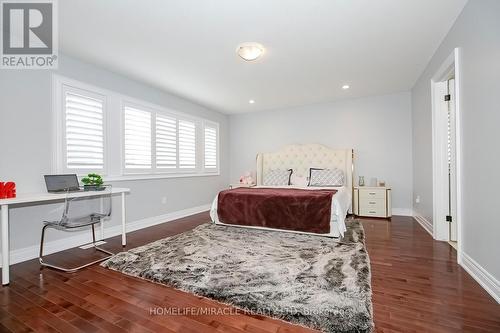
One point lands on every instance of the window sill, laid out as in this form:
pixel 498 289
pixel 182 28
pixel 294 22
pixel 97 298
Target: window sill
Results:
pixel 157 176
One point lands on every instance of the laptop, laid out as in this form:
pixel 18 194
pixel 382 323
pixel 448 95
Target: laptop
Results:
pixel 62 183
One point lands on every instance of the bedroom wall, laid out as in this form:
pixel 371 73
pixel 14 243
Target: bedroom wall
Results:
pixel 25 117
pixel 377 128
pixel 477 32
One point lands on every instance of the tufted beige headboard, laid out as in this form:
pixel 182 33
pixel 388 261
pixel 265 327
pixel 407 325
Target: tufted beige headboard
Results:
pixel 302 157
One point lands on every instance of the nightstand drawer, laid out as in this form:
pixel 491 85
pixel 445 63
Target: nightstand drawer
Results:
pixel 372 194
pixel 372 203
pixel 376 212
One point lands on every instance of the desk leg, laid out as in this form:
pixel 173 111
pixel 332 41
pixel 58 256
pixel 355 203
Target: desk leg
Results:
pixel 5 245
pixel 101 225
pixel 124 232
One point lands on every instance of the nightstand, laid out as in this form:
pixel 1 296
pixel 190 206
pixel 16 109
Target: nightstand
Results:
pixel 372 201
pixel 236 185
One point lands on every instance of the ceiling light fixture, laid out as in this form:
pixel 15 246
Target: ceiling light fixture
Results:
pixel 345 86
pixel 251 101
pixel 250 51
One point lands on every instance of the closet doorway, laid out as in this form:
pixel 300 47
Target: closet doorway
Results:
pixel 446 152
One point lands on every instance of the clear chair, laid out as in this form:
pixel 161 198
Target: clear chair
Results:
pixel 78 213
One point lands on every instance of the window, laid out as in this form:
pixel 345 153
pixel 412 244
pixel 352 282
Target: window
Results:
pixel 210 147
pixel 187 144
pixel 166 142
pixel 160 142
pixel 137 138
pixel 83 130
pixel 123 138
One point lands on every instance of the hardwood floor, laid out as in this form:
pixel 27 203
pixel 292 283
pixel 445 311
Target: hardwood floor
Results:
pixel 417 287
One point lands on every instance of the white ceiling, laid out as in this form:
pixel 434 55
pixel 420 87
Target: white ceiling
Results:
pixel 187 47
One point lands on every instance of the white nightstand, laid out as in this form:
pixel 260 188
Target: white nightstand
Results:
pixel 236 185
pixel 372 201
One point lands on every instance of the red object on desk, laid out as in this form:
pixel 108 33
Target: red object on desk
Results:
pixel 7 190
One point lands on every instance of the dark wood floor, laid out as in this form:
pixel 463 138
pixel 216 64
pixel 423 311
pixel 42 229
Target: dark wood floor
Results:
pixel 417 287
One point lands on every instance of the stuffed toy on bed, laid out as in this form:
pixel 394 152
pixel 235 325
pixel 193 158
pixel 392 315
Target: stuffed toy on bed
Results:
pixel 247 179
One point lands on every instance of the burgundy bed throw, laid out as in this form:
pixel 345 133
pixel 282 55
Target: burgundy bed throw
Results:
pixel 279 208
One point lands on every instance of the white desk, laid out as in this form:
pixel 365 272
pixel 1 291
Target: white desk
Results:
pixel 40 198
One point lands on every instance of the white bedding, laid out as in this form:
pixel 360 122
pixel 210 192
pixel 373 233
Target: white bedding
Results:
pixel 341 203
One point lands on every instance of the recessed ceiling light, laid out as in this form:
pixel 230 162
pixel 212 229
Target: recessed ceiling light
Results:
pixel 251 101
pixel 250 51
pixel 345 86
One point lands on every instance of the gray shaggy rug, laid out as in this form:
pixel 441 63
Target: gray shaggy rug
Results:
pixel 307 280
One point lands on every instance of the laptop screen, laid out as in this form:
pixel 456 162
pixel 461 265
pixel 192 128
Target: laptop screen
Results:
pixel 58 183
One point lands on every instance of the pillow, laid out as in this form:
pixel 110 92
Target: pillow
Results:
pixel 277 177
pixel 326 177
pixel 298 180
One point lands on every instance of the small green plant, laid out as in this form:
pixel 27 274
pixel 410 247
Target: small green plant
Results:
pixel 93 179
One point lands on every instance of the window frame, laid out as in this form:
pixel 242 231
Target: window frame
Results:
pixel 167 171
pixel 114 140
pixel 197 145
pixel 215 125
pixel 135 171
pixel 61 86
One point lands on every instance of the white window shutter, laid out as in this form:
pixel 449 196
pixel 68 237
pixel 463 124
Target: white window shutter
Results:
pixel 137 138
pixel 210 147
pixel 84 131
pixel 166 142
pixel 187 144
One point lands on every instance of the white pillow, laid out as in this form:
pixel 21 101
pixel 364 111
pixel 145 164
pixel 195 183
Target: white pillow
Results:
pixel 277 177
pixel 326 177
pixel 298 180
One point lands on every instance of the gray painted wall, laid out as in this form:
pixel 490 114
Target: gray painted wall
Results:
pixel 25 117
pixel 477 32
pixel 378 128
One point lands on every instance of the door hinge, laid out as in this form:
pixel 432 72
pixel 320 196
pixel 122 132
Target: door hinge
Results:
pixel 449 218
pixel 447 97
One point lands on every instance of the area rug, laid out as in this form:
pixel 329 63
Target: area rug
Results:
pixel 312 281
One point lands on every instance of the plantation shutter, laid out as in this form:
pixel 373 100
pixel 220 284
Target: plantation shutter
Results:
pixel 84 131
pixel 137 138
pixel 187 144
pixel 166 142
pixel 210 147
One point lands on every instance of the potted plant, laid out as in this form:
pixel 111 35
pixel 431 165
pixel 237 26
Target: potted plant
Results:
pixel 93 182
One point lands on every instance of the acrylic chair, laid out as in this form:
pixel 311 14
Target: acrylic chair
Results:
pixel 79 216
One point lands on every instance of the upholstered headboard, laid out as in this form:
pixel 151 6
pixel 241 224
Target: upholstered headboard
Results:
pixel 302 157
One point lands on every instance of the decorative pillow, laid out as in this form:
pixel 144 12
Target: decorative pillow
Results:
pixel 326 177
pixel 278 177
pixel 298 180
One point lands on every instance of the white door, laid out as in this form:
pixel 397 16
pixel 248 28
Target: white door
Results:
pixel 451 161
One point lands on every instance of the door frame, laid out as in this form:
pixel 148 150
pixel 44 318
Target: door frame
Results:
pixel 452 64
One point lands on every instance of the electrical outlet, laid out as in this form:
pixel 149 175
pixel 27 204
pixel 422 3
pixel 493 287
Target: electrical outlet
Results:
pixel 164 200
pixel 417 199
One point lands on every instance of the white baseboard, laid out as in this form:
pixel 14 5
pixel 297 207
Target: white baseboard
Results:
pixel 402 211
pixel 31 252
pixel 478 273
pixel 482 276
pixel 426 224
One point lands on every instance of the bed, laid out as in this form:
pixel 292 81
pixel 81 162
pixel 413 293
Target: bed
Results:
pixel 300 158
